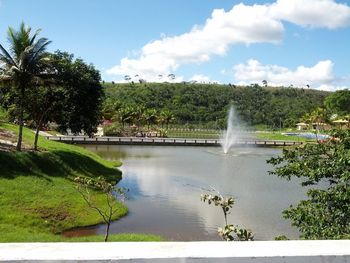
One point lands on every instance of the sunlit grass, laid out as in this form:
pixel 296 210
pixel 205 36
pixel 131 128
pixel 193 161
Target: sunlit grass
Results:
pixel 38 198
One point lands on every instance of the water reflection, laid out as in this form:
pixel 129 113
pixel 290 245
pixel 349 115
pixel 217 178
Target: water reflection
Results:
pixel 166 183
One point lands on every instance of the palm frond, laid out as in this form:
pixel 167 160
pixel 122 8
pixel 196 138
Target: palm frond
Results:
pixel 37 32
pixel 39 49
pixel 19 40
pixel 6 55
pixel 5 62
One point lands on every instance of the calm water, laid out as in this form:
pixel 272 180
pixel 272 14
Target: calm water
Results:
pixel 166 183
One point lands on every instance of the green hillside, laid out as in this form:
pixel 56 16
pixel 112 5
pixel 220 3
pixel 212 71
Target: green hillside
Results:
pixel 208 104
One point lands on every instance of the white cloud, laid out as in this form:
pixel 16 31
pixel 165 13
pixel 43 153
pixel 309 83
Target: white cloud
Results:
pixel 245 24
pixel 200 78
pixel 160 78
pixel 312 13
pixel 242 24
pixel 331 87
pixel 319 76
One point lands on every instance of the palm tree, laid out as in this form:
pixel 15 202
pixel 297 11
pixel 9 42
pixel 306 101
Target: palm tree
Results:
pixel 138 115
pixel 150 116
pixel 166 117
pixel 125 115
pixel 171 76
pixel 21 66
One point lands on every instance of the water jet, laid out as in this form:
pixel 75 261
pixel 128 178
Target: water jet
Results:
pixel 232 133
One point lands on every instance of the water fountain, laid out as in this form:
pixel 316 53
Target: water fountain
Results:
pixel 232 134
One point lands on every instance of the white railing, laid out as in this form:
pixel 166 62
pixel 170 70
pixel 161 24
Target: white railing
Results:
pixel 257 251
pixel 162 141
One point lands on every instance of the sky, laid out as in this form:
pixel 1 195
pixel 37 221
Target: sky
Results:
pixel 285 42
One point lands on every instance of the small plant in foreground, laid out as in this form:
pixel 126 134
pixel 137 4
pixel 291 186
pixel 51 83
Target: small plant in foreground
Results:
pixel 226 232
pixel 282 237
pixel 111 192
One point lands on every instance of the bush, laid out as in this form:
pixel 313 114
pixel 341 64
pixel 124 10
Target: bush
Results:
pixel 114 129
pixel 3 115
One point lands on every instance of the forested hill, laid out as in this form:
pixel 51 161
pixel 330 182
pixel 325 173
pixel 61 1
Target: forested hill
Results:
pixel 207 104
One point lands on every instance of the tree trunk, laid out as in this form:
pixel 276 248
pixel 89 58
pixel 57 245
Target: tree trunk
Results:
pixel 107 231
pixel 20 120
pixel 38 127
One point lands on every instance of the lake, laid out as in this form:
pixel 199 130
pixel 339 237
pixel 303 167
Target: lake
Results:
pixel 166 182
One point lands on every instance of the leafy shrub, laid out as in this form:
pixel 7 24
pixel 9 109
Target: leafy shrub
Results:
pixel 3 115
pixel 114 129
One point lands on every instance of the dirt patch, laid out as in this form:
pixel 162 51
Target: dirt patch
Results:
pixel 7 148
pixel 8 140
pixel 7 135
pixel 55 217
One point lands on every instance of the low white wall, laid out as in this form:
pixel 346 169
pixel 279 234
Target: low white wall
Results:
pixel 257 251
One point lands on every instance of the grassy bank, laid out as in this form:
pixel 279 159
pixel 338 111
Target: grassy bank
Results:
pixel 216 134
pixel 278 136
pixel 38 198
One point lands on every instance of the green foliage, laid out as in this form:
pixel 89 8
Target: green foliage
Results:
pixel 114 129
pixel 82 93
pixel 318 115
pixel 150 116
pixel 282 237
pixel 3 115
pixel 339 102
pixel 208 104
pixel 326 166
pixel 109 109
pixel 226 203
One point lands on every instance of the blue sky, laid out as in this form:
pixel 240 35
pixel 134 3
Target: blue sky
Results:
pixel 286 42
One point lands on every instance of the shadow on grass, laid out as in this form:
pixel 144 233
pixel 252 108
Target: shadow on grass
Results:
pixel 55 164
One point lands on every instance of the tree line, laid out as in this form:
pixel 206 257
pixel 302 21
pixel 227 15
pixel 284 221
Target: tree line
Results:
pixel 208 104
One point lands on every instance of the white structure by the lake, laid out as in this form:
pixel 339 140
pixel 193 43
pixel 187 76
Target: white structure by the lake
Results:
pixel 218 252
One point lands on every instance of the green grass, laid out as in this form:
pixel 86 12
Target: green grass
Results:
pixel 199 134
pixel 203 134
pixel 38 198
pixel 279 136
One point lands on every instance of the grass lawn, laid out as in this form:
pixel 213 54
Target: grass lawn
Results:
pixel 266 135
pixel 279 136
pixel 38 198
pixel 198 134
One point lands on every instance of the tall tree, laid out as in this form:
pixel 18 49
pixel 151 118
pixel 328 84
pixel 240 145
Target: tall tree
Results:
pixel 21 66
pixel 82 92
